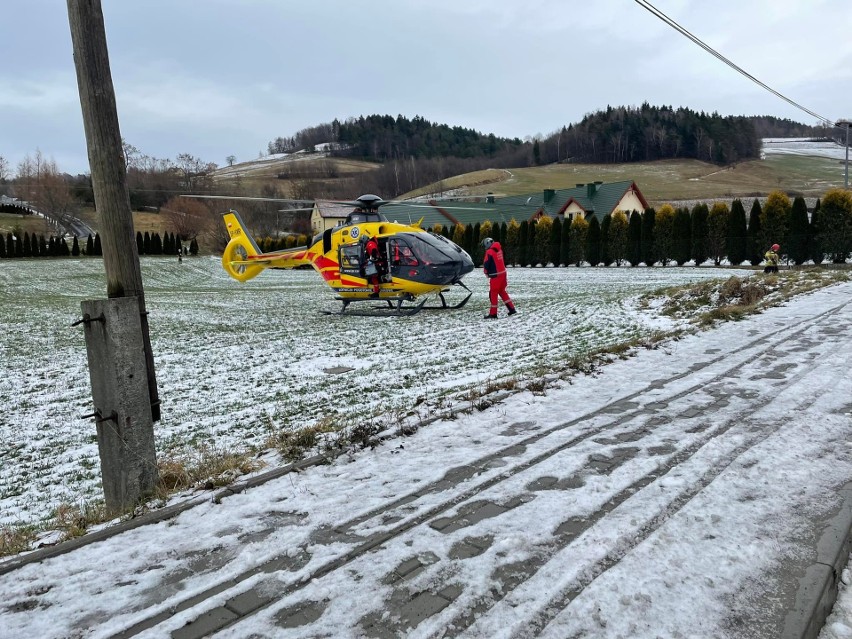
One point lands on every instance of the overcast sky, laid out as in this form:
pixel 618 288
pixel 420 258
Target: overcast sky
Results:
pixel 219 77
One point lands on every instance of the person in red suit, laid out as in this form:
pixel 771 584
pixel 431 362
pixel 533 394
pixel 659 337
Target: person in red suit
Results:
pixel 372 252
pixel 495 271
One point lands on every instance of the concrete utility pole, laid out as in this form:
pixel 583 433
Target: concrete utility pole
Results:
pixel 121 362
pixel 845 123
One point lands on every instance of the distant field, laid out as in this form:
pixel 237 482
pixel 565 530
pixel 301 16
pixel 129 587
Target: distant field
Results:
pixel 10 222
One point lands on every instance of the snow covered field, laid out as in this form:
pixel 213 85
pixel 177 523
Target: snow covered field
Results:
pixel 236 361
pixel 802 146
pixel 675 493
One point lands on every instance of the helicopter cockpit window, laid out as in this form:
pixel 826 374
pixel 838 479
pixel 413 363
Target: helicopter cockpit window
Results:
pixel 401 254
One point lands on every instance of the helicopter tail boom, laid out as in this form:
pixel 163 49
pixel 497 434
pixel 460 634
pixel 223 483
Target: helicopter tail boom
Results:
pixel 242 258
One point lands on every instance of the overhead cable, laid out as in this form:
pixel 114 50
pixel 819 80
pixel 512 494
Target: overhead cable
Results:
pixel 662 16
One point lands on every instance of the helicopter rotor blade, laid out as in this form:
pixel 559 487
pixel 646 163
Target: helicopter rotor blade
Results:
pixel 246 197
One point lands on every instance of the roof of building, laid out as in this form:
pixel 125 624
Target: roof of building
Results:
pixel 596 199
pixel 332 210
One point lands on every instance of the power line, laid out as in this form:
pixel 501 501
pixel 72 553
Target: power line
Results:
pixel 649 7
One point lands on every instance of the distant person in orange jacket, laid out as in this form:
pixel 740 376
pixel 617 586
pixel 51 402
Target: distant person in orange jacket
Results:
pixel 495 271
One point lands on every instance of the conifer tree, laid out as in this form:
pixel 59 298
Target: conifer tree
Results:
pixel 510 244
pixel 775 220
pixel 835 233
pixel 717 232
pixel 43 251
pixel 755 235
pixel 90 244
pixel 64 251
pixel 649 253
pixel 458 235
pixel 579 237
pixel 605 255
pixel 19 246
pixel 555 248
pixel 737 234
pixel 146 243
pixel 10 245
pixel 565 244
pixel 700 232
pixel 2 249
pixel 140 245
pixel 618 230
pixel 797 238
pixel 193 247
pixel 51 247
pixel 634 239
pixel 35 247
pixel 27 246
pixel 98 249
pixel 477 252
pixel 75 248
pixel 156 244
pixel 523 243
pixel 503 233
pixel 468 239
pixel 664 234
pixel 593 242
pixel 541 240
pixel 682 236
pixel 815 249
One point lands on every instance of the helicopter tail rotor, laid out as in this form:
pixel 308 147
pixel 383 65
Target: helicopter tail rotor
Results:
pixel 236 258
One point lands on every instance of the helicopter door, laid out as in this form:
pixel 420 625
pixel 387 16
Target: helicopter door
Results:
pixel 350 259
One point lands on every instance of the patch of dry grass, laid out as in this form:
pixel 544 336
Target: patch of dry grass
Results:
pixel 204 468
pixel 16 539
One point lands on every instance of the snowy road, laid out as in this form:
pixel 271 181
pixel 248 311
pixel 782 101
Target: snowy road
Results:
pixel 680 492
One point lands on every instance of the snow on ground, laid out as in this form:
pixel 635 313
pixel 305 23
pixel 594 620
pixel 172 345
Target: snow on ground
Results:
pixel 751 421
pixel 236 362
pixel 803 146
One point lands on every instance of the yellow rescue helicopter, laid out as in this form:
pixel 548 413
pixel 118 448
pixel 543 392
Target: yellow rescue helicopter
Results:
pixel 406 263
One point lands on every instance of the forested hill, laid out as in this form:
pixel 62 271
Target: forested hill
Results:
pixel 614 135
pixel 384 137
pixel 631 134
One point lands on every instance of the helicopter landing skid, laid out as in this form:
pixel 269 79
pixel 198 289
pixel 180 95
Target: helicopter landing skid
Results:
pixel 445 306
pixel 394 308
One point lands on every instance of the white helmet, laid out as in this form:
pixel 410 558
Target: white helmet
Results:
pixel 487 242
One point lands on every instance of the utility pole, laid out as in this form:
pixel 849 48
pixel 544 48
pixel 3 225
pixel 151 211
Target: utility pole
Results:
pixel 845 123
pixel 121 362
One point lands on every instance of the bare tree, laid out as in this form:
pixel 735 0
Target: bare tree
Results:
pixel 4 169
pixel 131 154
pixel 231 160
pixel 195 172
pixel 53 196
pixel 186 217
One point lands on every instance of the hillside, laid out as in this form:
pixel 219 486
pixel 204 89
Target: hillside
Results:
pixel 806 173
pixel 660 181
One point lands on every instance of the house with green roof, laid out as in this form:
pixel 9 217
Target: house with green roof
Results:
pixel 595 199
